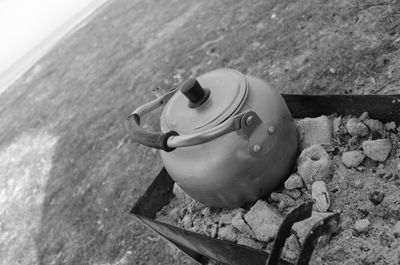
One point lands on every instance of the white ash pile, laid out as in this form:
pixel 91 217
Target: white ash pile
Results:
pixel 349 165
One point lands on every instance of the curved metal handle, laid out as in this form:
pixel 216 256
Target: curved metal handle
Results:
pixel 156 140
pixel 171 140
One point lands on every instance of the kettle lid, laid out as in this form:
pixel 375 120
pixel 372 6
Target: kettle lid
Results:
pixel 205 103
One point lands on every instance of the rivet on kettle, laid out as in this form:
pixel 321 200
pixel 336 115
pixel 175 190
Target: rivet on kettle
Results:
pixel 271 130
pixel 256 148
pixel 249 120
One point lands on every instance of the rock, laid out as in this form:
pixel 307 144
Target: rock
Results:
pixel 314 164
pixel 175 213
pixel 396 230
pixel 187 221
pixel 336 126
pixel 323 241
pixel 356 128
pixel 291 248
pixel 352 158
pixel 239 223
pixel 263 220
pixel 376 197
pixel 294 182
pixel 214 231
pixel 295 194
pixel 290 255
pixel 225 218
pixel 398 166
pixel 364 116
pixel 315 131
pixel 390 126
pixel 227 233
pixel 303 227
pixel 246 241
pixel 375 126
pixel 282 205
pixel 350 262
pixel 353 143
pixel 377 150
pixel 279 197
pixel 206 212
pixel 361 168
pixel 320 196
pixel 362 225
pixel 358 184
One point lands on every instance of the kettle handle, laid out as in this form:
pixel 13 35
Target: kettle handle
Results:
pixel 156 140
pixel 169 141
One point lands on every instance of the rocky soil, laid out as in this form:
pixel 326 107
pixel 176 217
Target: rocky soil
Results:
pixel 347 165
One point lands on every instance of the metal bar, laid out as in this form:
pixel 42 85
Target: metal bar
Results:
pixel 299 213
pixel 325 226
pixel 154 104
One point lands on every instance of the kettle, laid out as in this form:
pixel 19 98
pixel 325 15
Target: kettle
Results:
pixel 227 139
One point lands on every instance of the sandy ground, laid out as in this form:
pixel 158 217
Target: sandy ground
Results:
pixel 69 172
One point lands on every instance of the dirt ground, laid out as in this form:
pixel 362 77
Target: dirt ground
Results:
pixel 69 172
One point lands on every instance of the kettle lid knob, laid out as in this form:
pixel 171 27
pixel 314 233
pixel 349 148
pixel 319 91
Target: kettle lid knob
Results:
pixel 193 91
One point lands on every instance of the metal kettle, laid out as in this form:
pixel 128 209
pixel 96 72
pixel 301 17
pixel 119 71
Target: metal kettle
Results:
pixel 226 139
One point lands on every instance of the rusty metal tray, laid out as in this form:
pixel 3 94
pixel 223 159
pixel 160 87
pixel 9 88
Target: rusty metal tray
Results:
pixel 203 248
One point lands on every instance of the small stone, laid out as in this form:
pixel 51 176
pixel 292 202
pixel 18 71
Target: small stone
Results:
pixel 364 116
pixel 346 222
pixel 352 158
pixel 290 255
pixel 239 223
pixel 214 231
pixel 356 128
pixel 377 150
pixel 295 194
pixel 282 205
pixel 350 262
pixel 225 218
pixel 376 197
pixel 206 212
pixel 279 197
pixel 302 228
pixel 375 126
pixel 264 220
pixel 361 168
pixel 175 213
pixel 398 166
pixel 228 233
pixel 336 126
pixel 187 221
pixel 315 131
pixel 182 212
pixel 353 143
pixel 396 230
pixel 358 184
pixel 294 182
pixel 246 241
pixel 320 196
pixel 362 226
pixel 314 164
pixel 390 126
pixel 291 248
pixel 323 241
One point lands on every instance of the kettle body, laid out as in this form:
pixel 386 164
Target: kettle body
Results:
pixel 236 146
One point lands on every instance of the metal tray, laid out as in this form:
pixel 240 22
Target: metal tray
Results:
pixel 203 248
